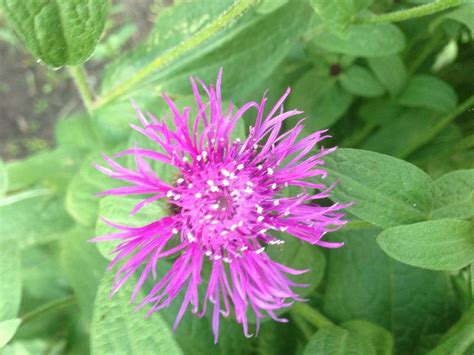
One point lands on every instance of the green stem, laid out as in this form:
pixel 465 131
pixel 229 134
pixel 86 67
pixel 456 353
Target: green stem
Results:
pixel 417 11
pixel 437 127
pixel 79 76
pixel 207 32
pixel 48 307
pixel 311 315
pixel 464 144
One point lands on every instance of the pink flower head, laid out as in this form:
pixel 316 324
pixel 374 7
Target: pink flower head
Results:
pixel 228 205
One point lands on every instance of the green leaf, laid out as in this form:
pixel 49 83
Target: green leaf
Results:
pixel 364 40
pixel 337 15
pixel 81 200
pixel 379 337
pixel 35 347
pixel 268 6
pixel 117 210
pixel 83 266
pixel 10 280
pixel 390 71
pixel 75 132
pixel 408 124
pixel 336 340
pixel 445 244
pixel 35 220
pixel 249 49
pixel 459 337
pixel 49 168
pixel 359 81
pixel 384 191
pixel 117 328
pixel 429 92
pixel 7 330
pixel 3 179
pixel 463 14
pixel 298 255
pixel 58 32
pixel 364 283
pixel 323 103
pixel 453 193
pixel 379 111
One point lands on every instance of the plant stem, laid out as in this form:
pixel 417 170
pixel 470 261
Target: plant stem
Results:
pixel 437 127
pixel 48 307
pixel 79 76
pixel 236 10
pixel 311 315
pixel 417 11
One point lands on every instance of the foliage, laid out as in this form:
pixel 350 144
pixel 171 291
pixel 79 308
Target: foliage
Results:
pixel 392 81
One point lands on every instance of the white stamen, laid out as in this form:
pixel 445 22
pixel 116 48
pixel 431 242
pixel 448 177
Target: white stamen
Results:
pixel 185 159
pixel 232 176
pixel 225 182
pixel 225 172
pixel 283 228
pixel 191 237
pixel 240 166
pixel 248 190
pixel 262 231
pixel 190 186
pixel 233 227
pixel 177 197
pixel 287 212
pixel 244 248
pixel 260 251
pixel 226 260
pixel 240 224
pixel 274 186
pixel 270 171
pixel 215 206
pixel 180 181
pixel 215 221
pixel 169 193
pixel 260 218
pixel 276 203
pixel 204 154
pixel 259 209
pixel 198 195
pixel 217 257
pixel 208 216
pixel 214 189
pixel 174 231
pixel 259 167
pixel 198 158
pixel 208 253
pixel 210 182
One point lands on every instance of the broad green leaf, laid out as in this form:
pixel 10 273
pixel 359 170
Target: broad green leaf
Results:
pixel 298 255
pixel 408 124
pixel 81 200
pixel 323 103
pixel 52 169
pixel 112 45
pixel 10 280
pixel 76 132
pixel 379 111
pixel 337 15
pixel 248 50
pixel 3 179
pixel 459 337
pixel 429 92
pixel 390 71
pixel 463 14
pixel 83 266
pixel 277 338
pixel 379 337
pixel 35 347
pixel 364 283
pixel 7 330
pixel 384 191
pixel 364 40
pixel 359 81
pixel 58 32
pixel 34 220
pixel 445 244
pixel 117 210
pixel 117 329
pixel 453 193
pixel 336 340
pixel 268 6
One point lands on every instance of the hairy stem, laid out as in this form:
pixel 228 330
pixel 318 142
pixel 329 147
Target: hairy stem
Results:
pixel 78 74
pixel 311 315
pixel 236 10
pixel 429 134
pixel 417 11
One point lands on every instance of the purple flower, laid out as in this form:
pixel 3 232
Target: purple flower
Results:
pixel 229 203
